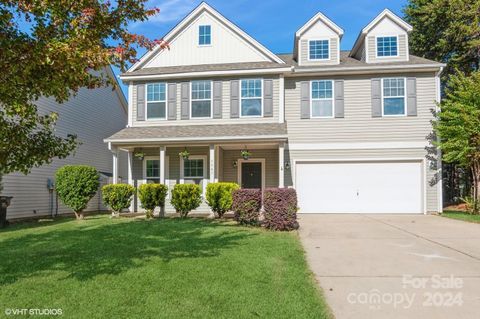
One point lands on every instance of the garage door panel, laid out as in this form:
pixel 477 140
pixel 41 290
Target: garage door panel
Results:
pixel 376 187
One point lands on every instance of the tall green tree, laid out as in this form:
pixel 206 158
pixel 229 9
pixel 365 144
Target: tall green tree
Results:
pixel 446 31
pixel 52 48
pixel 458 126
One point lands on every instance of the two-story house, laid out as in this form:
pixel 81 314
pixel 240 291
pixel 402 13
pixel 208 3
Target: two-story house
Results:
pixel 346 129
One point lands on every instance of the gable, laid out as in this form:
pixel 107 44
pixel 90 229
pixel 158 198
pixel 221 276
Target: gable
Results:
pixel 229 44
pixel 319 30
pixel 386 27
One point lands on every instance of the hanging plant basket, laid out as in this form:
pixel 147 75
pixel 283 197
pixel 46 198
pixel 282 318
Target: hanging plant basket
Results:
pixel 139 155
pixel 246 154
pixel 184 154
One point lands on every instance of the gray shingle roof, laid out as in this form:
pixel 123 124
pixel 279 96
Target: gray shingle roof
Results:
pixel 347 61
pixel 198 132
pixel 207 67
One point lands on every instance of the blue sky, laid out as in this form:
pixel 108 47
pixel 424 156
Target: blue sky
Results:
pixel 273 22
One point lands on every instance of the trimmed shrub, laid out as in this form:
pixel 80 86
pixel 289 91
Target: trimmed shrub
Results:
pixel 185 198
pixel 76 185
pixel 219 197
pixel 151 196
pixel 280 208
pixel 246 205
pixel 117 196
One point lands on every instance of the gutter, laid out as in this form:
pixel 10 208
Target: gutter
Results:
pixel 372 68
pixel 192 139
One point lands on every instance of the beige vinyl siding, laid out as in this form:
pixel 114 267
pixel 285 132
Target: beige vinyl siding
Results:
pixel 304 53
pixel 368 154
pixel 358 124
pixel 225 106
pixel 92 115
pixel 361 53
pixel 372 50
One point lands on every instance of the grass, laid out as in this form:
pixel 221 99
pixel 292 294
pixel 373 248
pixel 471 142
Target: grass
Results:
pixel 461 216
pixel 171 268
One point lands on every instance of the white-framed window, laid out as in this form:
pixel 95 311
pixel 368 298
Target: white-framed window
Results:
pixel 204 35
pixel 322 104
pixel 251 92
pixel 393 96
pixel 194 167
pixel 151 169
pixel 201 99
pixel 156 101
pixel 387 46
pixel 319 49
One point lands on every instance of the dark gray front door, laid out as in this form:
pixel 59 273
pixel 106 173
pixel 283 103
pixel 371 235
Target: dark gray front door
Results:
pixel 251 175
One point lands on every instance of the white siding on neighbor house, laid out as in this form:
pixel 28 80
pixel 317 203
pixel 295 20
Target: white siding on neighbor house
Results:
pixel 368 154
pixel 92 115
pixel 358 124
pixel 227 46
pixel 333 56
pixel 225 106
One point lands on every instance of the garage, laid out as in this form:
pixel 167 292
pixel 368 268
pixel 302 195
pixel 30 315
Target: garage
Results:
pixel 360 187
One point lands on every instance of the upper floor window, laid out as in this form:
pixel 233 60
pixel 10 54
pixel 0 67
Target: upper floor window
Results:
pixel 387 46
pixel 322 98
pixel 204 35
pixel 156 101
pixel 319 49
pixel 251 96
pixel 393 96
pixel 201 99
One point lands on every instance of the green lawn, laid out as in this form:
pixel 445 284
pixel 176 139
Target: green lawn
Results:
pixel 172 268
pixel 462 216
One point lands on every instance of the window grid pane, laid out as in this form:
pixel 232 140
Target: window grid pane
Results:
pixel 204 33
pixel 322 98
pixel 156 96
pixel 387 46
pixel 319 49
pixel 153 169
pixel 201 98
pixel 193 168
pixel 251 95
pixel 394 96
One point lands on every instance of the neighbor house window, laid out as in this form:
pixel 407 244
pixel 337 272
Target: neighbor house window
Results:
pixel 152 170
pixel 251 94
pixel 394 96
pixel 322 98
pixel 193 168
pixel 387 46
pixel 156 105
pixel 204 35
pixel 201 99
pixel 319 49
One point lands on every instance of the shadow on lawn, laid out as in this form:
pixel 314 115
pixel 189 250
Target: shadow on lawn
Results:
pixel 88 249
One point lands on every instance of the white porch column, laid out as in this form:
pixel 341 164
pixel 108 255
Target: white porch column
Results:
pixel 130 177
pixel 212 163
pixel 217 164
pixel 115 165
pixel 162 164
pixel 281 165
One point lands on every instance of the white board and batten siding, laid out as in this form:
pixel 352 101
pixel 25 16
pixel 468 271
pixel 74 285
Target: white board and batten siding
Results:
pixel 360 138
pixel 92 115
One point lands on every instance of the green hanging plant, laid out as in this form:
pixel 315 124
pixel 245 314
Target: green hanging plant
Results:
pixel 184 154
pixel 246 154
pixel 140 155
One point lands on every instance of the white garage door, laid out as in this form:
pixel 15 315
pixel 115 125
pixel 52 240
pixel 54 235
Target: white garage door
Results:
pixel 364 187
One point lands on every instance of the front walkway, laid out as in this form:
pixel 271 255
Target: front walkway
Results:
pixel 395 266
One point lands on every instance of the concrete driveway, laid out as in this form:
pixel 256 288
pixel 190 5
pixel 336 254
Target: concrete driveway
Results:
pixel 395 266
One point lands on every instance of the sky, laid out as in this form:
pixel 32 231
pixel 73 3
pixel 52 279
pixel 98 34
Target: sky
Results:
pixel 272 22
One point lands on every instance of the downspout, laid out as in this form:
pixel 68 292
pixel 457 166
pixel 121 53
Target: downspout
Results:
pixel 438 85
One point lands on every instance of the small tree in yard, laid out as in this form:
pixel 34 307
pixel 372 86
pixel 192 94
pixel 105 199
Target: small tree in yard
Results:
pixel 219 197
pixel 458 128
pixel 185 198
pixel 117 197
pixel 76 185
pixel 152 196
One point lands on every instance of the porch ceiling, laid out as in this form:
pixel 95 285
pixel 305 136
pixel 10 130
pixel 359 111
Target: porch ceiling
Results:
pixel 200 133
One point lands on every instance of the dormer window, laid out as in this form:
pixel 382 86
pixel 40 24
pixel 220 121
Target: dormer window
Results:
pixel 319 49
pixel 204 35
pixel 387 46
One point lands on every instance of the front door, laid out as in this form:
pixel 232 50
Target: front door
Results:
pixel 252 175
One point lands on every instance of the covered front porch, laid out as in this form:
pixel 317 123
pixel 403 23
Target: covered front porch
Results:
pixel 208 161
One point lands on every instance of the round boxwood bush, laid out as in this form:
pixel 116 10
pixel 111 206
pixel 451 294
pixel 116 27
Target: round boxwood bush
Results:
pixel 246 205
pixel 219 197
pixel 117 196
pixel 280 208
pixel 76 185
pixel 151 196
pixel 185 198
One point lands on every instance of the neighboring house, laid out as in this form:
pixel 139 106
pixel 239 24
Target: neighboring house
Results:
pixel 92 115
pixel 346 129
